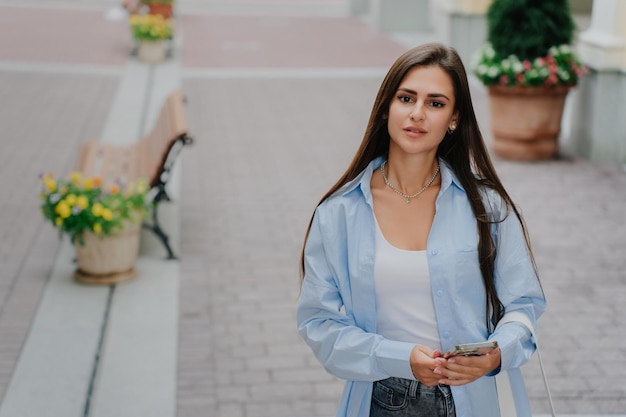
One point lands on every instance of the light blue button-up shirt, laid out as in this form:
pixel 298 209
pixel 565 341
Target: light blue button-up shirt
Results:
pixel 336 309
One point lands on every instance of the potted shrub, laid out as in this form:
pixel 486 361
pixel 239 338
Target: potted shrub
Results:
pixel 102 223
pixel 162 7
pixel 151 31
pixel 529 66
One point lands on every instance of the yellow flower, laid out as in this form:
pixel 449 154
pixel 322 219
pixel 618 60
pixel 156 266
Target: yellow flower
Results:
pixel 97 228
pixel 82 202
pixel 63 209
pixel 88 184
pixel 97 209
pixel 71 199
pixel 107 214
pixel 115 189
pixel 58 222
pixel 50 184
pixel 75 177
pixel 141 187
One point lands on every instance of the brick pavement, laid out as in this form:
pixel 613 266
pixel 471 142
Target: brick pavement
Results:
pixel 215 40
pixel 267 148
pixel 50 36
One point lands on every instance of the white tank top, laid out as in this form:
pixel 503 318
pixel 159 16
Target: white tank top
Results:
pixel 404 305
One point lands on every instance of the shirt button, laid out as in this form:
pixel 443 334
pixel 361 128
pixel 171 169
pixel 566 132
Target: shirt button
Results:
pixel 439 293
pixel 434 252
pixel 446 335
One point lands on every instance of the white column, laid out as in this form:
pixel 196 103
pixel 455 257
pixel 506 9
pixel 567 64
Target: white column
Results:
pixel 598 124
pixel 400 15
pixel 462 24
pixel 360 7
pixel 603 45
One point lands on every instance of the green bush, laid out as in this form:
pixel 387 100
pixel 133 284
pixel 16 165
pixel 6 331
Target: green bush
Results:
pixel 528 28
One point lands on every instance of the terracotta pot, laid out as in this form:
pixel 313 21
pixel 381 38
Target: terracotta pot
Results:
pixel 526 122
pixel 151 52
pixel 107 259
pixel 164 9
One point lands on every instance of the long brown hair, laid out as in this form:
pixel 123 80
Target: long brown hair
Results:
pixel 464 151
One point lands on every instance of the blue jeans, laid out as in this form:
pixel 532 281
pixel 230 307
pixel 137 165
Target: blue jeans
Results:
pixel 398 397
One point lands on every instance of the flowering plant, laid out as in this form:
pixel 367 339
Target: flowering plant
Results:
pixel 559 67
pixel 151 27
pixel 79 204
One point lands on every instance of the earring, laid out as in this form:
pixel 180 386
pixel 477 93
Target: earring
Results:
pixel 451 129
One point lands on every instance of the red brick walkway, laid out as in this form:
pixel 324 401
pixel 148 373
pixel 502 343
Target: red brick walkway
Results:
pixel 39 35
pixel 287 42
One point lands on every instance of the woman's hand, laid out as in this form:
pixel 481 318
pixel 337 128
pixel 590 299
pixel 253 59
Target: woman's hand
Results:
pixel 461 370
pixel 423 364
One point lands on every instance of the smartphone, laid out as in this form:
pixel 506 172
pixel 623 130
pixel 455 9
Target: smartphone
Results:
pixel 472 349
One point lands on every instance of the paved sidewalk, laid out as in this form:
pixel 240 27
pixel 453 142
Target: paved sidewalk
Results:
pixel 277 106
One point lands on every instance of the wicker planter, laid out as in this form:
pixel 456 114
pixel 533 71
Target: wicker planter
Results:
pixel 526 122
pixel 152 52
pixel 108 259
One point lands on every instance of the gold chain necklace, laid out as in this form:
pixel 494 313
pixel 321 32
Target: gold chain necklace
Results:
pixel 407 197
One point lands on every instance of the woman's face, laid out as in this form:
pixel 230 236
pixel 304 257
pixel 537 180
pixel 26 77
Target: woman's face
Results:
pixel 421 111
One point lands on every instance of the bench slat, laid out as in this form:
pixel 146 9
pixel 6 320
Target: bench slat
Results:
pixel 132 161
pixel 177 109
pixel 107 170
pixel 87 157
pixel 146 158
pixel 171 126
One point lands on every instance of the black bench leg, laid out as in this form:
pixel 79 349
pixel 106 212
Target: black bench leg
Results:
pixel 156 229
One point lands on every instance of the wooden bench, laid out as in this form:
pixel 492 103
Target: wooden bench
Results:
pixel 152 158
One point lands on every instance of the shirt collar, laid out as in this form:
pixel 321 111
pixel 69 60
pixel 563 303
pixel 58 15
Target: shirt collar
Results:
pixel 363 180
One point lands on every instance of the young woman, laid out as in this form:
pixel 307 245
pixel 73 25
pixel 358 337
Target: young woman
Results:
pixel 418 248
